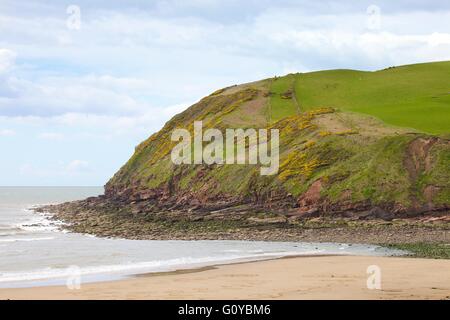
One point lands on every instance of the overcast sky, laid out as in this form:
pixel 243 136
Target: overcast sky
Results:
pixel 77 95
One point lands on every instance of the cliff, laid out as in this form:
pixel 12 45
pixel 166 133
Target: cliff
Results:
pixel 334 157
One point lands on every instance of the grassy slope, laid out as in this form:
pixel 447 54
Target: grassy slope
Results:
pixel 354 155
pixel 414 96
pixel 281 106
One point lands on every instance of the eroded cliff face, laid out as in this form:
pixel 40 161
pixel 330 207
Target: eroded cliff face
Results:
pixel 331 162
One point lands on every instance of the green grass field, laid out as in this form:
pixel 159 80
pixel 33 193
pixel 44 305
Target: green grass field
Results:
pixel 413 96
pixel 282 107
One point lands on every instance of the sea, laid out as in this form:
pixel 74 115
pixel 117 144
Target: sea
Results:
pixel 38 251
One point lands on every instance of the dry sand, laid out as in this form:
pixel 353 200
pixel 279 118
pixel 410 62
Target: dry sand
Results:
pixel 331 277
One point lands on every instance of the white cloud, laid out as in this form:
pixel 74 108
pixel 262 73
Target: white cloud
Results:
pixel 166 60
pixel 147 122
pixel 7 133
pixel 77 166
pixel 29 170
pixel 51 136
pixel 345 41
pixel 157 55
pixel 97 126
pixel 7 59
pixel 60 95
pixel 73 168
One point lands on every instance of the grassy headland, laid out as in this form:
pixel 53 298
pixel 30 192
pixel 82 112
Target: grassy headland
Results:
pixel 366 147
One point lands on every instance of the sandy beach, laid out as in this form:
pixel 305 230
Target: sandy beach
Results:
pixel 327 277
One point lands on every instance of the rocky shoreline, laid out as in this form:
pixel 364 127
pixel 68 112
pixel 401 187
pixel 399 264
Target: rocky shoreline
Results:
pixel 105 217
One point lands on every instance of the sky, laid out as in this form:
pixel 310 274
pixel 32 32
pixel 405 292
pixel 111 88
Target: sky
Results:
pixel 83 82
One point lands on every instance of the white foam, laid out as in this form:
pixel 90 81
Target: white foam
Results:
pixel 244 251
pixel 9 231
pixel 41 222
pixel 26 239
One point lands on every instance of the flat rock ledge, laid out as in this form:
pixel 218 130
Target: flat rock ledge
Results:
pixel 104 217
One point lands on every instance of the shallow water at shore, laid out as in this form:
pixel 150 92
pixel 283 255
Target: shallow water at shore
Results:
pixel 37 251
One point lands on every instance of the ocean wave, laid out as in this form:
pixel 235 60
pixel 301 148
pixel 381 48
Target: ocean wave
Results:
pixel 244 251
pixel 25 239
pixel 6 231
pixel 33 225
pixel 41 222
